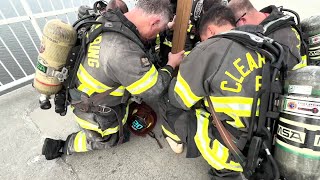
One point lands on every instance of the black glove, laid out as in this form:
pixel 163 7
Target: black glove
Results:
pixel 52 148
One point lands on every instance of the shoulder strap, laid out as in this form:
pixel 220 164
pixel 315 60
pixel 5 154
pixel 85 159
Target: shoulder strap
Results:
pixel 277 24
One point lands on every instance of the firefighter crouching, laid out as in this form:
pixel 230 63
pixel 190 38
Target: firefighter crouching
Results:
pixel 277 26
pixel 165 38
pixel 230 74
pixel 114 68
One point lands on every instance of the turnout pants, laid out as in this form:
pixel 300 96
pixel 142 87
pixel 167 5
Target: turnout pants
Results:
pixel 98 130
pixel 181 126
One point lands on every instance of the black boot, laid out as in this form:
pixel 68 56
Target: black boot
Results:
pixel 52 148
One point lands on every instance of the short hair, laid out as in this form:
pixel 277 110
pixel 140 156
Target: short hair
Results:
pixel 207 4
pixel 218 15
pixel 113 4
pixel 240 7
pixel 159 7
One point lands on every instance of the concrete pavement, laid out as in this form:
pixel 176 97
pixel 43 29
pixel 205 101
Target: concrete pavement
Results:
pixel 24 126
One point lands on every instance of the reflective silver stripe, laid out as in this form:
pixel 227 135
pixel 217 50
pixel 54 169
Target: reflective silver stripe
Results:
pixel 190 101
pixel 144 83
pixel 201 139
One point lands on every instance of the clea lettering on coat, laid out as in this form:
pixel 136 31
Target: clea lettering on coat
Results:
pixel 244 69
pixel 93 52
pixel 145 62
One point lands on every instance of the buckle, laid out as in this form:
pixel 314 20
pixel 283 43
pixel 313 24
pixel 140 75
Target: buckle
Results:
pixel 104 109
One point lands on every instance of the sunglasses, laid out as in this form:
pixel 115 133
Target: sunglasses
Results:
pixel 240 18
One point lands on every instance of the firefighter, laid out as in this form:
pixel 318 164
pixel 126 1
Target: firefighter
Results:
pixel 118 4
pixel 168 113
pixel 115 68
pixel 192 35
pixel 287 36
pixel 230 74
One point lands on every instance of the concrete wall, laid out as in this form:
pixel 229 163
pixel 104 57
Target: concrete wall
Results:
pixel 305 8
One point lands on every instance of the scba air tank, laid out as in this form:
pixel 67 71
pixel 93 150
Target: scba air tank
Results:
pixel 311 27
pixel 297 148
pixel 57 40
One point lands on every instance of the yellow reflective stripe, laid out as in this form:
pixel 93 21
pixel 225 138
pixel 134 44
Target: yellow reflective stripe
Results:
pixel 89 126
pixel 118 92
pixel 189 28
pixel 218 156
pixel 85 89
pixel 158 39
pixel 302 64
pixel 184 91
pixel 145 83
pixel 86 79
pixel 171 135
pixel 167 43
pixel 80 142
pixel 166 71
pixel 220 151
pixel 187 53
pixel 235 107
pixel 116 129
pixel 240 106
pixel 232 99
pixel 304 58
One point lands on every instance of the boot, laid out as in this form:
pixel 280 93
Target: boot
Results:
pixel 52 148
pixel 177 148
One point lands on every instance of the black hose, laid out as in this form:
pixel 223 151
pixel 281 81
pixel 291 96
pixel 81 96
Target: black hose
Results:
pixel 83 18
pixel 253 113
pixel 276 171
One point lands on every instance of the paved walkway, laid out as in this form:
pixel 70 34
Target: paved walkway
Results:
pixel 24 126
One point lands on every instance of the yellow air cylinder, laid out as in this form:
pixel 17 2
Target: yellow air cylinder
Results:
pixel 57 40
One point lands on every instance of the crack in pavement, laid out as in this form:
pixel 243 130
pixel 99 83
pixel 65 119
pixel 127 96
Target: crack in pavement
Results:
pixel 27 116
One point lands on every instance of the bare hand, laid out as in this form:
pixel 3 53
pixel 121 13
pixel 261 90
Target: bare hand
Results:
pixel 174 60
pixel 171 23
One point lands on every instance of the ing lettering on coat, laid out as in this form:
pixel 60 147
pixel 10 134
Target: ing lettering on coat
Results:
pixel 244 69
pixel 93 52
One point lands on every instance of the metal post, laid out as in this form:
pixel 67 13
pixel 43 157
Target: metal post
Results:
pixel 32 19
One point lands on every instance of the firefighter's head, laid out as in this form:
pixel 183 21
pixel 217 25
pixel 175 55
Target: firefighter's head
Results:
pixel 113 4
pixel 245 13
pixel 216 20
pixel 150 17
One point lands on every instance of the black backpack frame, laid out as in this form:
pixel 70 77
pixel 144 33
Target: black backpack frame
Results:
pixel 259 137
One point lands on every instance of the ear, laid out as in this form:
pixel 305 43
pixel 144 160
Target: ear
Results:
pixel 243 21
pixel 154 20
pixel 211 30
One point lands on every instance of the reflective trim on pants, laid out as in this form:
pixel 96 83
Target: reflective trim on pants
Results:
pixel 170 134
pixel 218 155
pixel 80 142
pixel 94 127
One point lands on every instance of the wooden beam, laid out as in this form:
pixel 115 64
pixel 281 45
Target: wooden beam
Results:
pixel 181 25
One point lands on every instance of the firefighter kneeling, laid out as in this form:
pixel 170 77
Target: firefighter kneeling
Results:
pixel 228 98
pixel 114 67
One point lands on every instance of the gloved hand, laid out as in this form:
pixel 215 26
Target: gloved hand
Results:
pixel 52 148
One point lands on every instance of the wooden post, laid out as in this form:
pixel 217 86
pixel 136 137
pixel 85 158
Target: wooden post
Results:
pixel 181 25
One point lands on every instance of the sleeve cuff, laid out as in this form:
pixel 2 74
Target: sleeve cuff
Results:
pixel 168 69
